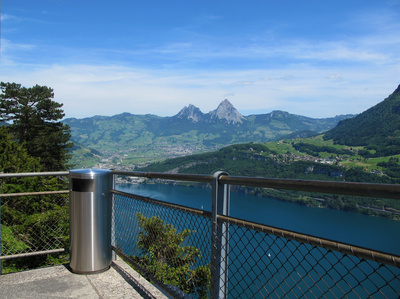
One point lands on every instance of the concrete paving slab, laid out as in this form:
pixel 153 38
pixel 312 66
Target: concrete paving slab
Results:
pixel 120 281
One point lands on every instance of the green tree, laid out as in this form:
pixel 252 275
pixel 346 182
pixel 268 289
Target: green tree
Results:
pixel 13 157
pixel 164 256
pixel 33 119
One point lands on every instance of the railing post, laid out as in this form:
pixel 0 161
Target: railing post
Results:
pixel 113 218
pixel 1 243
pixel 220 238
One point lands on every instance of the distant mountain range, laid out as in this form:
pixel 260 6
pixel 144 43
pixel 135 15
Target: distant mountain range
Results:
pixel 374 133
pixel 191 129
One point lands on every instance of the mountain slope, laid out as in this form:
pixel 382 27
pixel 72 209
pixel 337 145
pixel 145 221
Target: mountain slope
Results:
pixel 378 128
pixel 227 112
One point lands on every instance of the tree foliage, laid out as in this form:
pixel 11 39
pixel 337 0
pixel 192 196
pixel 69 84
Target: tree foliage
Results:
pixel 33 119
pixel 163 254
pixel 13 157
pixel 30 222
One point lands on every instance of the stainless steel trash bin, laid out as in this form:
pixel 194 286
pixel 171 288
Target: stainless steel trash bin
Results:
pixel 90 220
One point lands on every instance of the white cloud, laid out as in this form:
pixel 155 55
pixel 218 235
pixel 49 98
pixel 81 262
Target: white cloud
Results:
pixel 336 77
pixel 5 17
pixel 87 90
pixel 244 83
pixel 9 48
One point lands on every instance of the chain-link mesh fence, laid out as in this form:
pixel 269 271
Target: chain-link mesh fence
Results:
pixel 264 265
pixel 33 226
pixel 27 229
pixel 172 244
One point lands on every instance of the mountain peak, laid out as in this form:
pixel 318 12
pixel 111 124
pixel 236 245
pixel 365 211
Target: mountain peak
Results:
pixel 226 103
pixel 226 111
pixel 190 112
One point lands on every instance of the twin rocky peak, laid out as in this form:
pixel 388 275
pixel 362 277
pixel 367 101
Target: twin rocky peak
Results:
pixel 224 112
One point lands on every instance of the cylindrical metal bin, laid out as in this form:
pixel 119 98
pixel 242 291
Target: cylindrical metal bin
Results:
pixel 90 220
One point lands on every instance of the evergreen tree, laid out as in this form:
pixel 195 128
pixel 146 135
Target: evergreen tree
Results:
pixel 14 158
pixel 33 119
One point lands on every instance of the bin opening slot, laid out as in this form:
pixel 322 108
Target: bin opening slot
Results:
pixel 83 185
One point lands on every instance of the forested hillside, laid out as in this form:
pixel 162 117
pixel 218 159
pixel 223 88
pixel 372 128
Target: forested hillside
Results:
pixel 378 128
pixel 252 159
pixel 290 159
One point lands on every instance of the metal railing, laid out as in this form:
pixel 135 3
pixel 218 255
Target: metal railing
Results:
pixel 210 254
pixel 32 223
pixel 246 259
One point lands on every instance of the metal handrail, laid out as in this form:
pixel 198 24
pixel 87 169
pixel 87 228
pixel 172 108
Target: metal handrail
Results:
pixel 389 191
pixel 202 178
pixel 15 256
pixel 346 188
pixel 30 174
pixel 332 187
pixel 34 193
pixel 33 174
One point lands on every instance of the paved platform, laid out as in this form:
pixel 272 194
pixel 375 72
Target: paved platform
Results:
pixel 120 281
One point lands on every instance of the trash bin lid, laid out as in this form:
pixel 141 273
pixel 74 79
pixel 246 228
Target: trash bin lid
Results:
pixel 89 173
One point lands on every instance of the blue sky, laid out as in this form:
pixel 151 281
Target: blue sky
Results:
pixel 313 58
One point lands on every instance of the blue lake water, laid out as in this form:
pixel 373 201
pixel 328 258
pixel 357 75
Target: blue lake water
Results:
pixel 367 231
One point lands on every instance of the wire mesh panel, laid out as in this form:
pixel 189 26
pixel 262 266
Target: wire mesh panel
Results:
pixel 32 224
pixel 262 265
pixel 170 244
